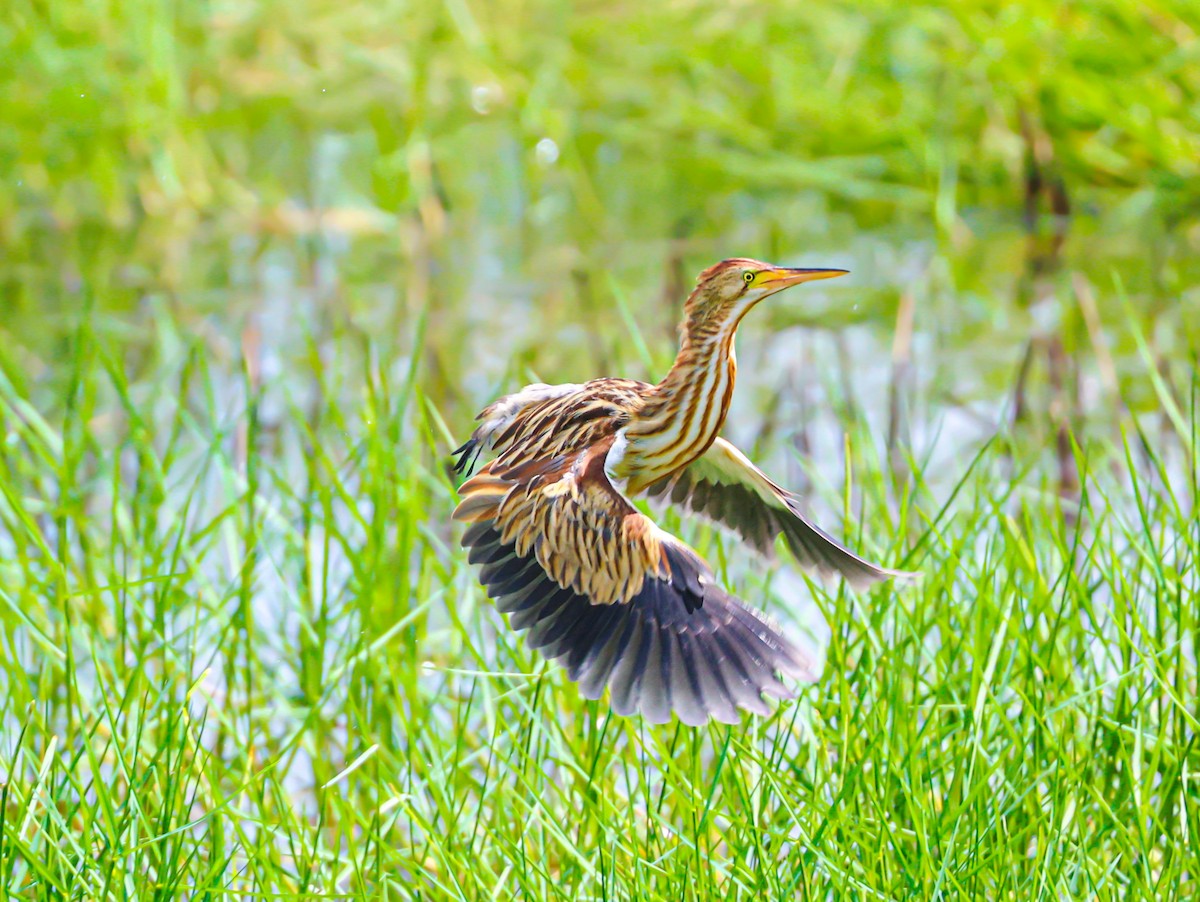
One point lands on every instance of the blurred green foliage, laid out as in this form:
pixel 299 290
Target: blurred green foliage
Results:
pixel 665 116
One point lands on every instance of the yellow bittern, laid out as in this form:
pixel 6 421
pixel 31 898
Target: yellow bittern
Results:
pixel 599 586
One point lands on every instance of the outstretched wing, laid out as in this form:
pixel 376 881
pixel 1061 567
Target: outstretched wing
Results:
pixel 619 602
pixel 724 486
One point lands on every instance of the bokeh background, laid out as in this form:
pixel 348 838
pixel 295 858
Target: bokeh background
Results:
pixel 261 262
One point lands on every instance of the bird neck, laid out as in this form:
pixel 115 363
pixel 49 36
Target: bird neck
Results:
pixel 683 413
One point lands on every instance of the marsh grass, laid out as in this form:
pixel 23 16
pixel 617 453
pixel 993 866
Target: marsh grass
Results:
pixel 242 655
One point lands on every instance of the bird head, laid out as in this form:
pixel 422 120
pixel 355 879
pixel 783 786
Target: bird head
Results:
pixel 725 291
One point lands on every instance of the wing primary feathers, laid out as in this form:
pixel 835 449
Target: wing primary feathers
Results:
pixel 685 694
pixel 511 575
pixel 533 614
pixel 476 533
pixel 546 622
pixel 655 700
pixel 719 700
pixel 667 652
pixel 487 554
pixel 511 602
pixel 590 638
pixel 557 639
pixel 598 667
pixel 626 675
pixel 742 688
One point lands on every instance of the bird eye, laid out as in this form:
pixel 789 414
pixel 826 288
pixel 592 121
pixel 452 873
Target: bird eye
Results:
pixel 748 277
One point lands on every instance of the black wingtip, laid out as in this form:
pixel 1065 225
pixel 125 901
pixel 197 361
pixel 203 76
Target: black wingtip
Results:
pixel 813 547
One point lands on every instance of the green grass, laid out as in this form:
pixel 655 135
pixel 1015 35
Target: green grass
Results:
pixel 242 655
pixel 261 263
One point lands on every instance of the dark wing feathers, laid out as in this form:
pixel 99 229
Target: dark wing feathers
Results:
pixel 728 489
pixel 653 695
pixel 681 644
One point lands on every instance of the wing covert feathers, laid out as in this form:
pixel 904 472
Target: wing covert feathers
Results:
pixel 566 514
pixel 544 421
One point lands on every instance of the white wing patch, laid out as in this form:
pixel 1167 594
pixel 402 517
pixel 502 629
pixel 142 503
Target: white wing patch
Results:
pixel 613 459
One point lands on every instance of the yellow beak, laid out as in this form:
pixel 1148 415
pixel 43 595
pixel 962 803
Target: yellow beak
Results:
pixel 779 279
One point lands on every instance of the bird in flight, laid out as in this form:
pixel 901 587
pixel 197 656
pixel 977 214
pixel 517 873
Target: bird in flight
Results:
pixel 597 585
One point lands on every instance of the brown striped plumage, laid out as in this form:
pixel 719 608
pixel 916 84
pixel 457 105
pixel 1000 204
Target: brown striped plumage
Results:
pixel 598 585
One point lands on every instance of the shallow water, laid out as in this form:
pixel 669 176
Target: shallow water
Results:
pixel 933 345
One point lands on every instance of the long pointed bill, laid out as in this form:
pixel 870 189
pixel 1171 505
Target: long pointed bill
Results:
pixel 779 279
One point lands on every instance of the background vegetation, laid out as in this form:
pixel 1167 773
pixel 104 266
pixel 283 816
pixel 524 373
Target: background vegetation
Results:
pixel 261 262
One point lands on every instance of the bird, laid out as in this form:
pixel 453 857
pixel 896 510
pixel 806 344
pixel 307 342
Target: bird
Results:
pixel 595 584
